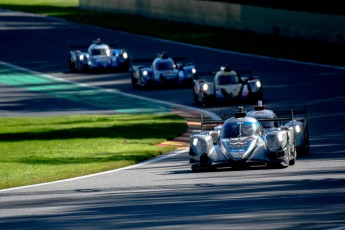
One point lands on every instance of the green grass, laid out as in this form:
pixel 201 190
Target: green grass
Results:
pixel 267 45
pixel 41 149
pixel 38 3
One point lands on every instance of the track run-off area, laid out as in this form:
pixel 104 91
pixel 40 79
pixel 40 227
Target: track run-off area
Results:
pixel 163 193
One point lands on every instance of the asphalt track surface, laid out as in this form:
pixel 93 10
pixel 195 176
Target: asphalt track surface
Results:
pixel 163 193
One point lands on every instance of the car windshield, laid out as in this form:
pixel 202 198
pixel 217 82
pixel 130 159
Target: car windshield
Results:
pixel 164 65
pixel 238 129
pixel 95 52
pixel 227 79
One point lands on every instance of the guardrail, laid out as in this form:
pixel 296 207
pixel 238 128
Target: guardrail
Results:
pixel 316 26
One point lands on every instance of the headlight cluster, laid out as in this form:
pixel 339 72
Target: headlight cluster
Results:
pixel 198 145
pixel 205 87
pixel 276 141
pixel 298 128
pixel 83 57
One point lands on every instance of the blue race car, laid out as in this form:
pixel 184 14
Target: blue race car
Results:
pixel 241 141
pixel 98 56
pixel 298 122
pixel 226 86
pixel 163 72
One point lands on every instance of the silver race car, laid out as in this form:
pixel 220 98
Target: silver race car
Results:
pixel 164 71
pixel 241 141
pixel 226 86
pixel 298 122
pixel 98 56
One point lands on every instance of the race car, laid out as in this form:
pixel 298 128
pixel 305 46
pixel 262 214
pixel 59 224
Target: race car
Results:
pixel 241 141
pixel 163 72
pixel 226 86
pixel 298 122
pixel 98 56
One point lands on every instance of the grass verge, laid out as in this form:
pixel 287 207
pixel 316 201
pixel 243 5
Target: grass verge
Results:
pixel 267 45
pixel 42 149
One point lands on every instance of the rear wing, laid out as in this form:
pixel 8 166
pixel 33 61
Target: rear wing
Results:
pixel 289 118
pixel 302 111
pixel 281 114
pixel 206 76
pixel 150 60
pixel 74 46
pixel 210 124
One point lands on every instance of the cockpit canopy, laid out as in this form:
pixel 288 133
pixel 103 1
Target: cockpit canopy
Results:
pixel 99 50
pixel 226 78
pixel 163 64
pixel 234 128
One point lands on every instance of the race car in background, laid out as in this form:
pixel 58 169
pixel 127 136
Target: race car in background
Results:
pixel 98 56
pixel 226 86
pixel 241 141
pixel 164 71
pixel 297 118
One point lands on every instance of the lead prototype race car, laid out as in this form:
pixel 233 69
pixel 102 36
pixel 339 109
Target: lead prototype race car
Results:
pixel 299 124
pixel 227 86
pixel 241 141
pixel 99 56
pixel 164 71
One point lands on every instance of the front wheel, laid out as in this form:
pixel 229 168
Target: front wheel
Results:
pixel 72 65
pixel 196 168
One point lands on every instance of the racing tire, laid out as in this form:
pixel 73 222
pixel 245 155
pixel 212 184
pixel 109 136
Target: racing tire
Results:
pixel 195 168
pixel 198 168
pixel 72 65
pixel 134 82
pixel 292 162
pixel 196 100
pixel 205 102
pixel 279 165
pixel 306 148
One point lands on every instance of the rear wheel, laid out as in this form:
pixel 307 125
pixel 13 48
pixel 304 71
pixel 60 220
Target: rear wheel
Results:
pixel 134 82
pixel 306 149
pixel 72 65
pixel 293 157
pixel 292 162
pixel 196 97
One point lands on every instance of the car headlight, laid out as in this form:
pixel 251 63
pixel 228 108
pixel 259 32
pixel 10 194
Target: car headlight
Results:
pixel 125 55
pixel 81 57
pixel 195 141
pixel 198 145
pixel 193 70
pixel 205 87
pixel 298 129
pixel 145 73
pixel 258 84
pixel 280 137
